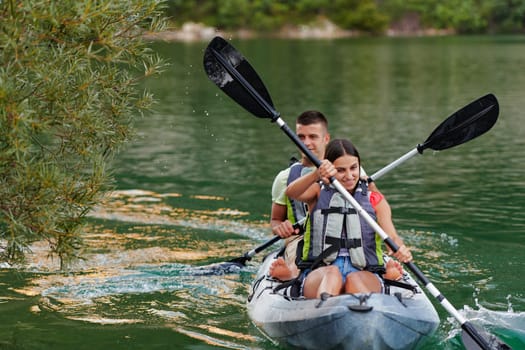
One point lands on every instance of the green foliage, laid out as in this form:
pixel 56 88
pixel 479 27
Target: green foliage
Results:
pixel 362 15
pixel 232 14
pixel 69 71
pixel 462 15
pixel 268 15
pixel 181 11
pixel 373 16
pixel 505 16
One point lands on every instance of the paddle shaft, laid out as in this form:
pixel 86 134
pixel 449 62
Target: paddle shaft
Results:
pixel 393 165
pixel 262 247
pixel 250 254
pixel 241 260
pixel 465 325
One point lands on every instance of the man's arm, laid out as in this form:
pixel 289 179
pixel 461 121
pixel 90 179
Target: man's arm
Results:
pixel 281 226
pixel 279 222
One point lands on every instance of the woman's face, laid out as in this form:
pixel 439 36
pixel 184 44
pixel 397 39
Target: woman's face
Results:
pixel 347 168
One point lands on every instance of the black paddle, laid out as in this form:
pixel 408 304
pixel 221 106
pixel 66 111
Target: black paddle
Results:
pixel 469 122
pixel 241 260
pixel 230 71
pixel 234 265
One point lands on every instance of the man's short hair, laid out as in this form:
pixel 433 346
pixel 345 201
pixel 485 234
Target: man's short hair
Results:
pixel 312 117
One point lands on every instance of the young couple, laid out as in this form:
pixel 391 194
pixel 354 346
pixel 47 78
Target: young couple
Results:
pixel 346 250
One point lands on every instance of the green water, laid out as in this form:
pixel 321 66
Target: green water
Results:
pixel 194 188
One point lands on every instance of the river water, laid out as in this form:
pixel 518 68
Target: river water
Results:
pixel 193 188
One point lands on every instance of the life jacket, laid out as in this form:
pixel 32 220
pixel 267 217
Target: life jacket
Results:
pixel 335 224
pixel 296 210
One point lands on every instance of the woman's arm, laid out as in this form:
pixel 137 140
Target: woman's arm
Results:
pixel 305 188
pixel 384 219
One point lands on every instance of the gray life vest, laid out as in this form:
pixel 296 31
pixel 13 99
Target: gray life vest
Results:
pixel 296 210
pixel 336 225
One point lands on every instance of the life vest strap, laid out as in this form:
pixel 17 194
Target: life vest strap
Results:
pixel 399 284
pixel 338 210
pixel 344 243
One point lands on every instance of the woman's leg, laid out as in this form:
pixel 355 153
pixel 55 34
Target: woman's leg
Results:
pixel 326 279
pixel 362 282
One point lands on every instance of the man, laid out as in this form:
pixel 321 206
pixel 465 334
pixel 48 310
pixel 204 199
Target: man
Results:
pixel 312 129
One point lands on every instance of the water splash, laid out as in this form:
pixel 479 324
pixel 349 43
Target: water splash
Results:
pixel 141 280
pixel 453 242
pixel 508 325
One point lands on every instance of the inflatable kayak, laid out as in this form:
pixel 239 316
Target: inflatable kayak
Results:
pixel 401 318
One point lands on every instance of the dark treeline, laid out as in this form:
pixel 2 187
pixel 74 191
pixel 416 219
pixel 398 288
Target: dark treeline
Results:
pixel 370 16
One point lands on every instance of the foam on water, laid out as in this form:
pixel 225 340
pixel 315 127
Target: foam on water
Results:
pixel 145 279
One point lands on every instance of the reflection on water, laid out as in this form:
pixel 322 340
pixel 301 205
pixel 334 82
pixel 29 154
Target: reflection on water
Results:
pixel 142 206
pixel 149 266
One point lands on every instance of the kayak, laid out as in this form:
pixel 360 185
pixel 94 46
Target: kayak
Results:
pixel 401 318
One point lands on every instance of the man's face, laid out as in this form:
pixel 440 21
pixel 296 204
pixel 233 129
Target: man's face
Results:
pixel 314 136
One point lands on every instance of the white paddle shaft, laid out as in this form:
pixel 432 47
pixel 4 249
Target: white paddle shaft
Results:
pixel 394 164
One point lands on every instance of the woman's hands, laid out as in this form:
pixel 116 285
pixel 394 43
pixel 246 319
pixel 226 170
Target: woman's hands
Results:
pixel 403 254
pixel 325 171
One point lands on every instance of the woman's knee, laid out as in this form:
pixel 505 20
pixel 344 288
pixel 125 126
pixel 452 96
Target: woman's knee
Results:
pixel 362 282
pixel 332 272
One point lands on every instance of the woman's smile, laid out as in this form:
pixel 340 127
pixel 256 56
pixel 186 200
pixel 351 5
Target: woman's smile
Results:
pixel 347 168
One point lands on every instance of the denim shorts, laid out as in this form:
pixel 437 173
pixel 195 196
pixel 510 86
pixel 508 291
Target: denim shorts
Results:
pixel 345 266
pixel 344 263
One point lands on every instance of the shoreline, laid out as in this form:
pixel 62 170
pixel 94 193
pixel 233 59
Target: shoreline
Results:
pixel 195 32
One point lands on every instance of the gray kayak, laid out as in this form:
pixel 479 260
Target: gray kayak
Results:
pixel 402 319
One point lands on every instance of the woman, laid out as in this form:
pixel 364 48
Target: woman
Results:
pixel 338 238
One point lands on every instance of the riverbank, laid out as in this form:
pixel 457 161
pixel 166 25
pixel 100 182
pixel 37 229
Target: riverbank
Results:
pixel 322 29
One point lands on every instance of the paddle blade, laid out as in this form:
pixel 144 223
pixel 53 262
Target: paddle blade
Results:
pixel 217 269
pixel 231 72
pixel 241 260
pixel 471 121
pixel 489 341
